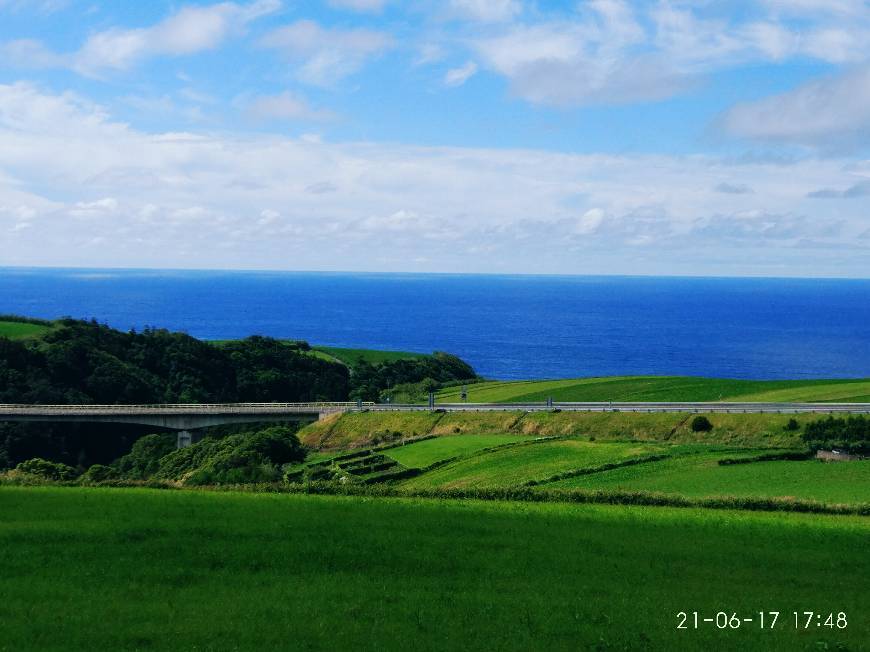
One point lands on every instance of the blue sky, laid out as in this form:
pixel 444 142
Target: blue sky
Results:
pixel 602 136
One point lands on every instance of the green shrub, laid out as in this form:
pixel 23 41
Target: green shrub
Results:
pixel 46 469
pixel 143 460
pixel 98 473
pixel 701 424
pixel 792 425
pixel 243 458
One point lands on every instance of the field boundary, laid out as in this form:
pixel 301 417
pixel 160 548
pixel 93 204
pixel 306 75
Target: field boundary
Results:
pixel 516 494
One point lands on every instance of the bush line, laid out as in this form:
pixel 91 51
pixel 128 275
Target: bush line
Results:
pixel 790 456
pixel 515 494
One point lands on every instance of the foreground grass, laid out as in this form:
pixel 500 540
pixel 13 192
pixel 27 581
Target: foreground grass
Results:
pixel 698 476
pixel 662 388
pixel 140 569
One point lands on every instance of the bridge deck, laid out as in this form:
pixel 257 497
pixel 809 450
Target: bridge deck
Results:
pixel 12 411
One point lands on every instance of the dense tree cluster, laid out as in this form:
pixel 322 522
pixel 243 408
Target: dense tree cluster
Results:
pixel 851 433
pixel 370 382
pixel 86 363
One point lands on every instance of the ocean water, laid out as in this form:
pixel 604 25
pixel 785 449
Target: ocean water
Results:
pixel 507 327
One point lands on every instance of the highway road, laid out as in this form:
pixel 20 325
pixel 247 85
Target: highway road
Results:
pixel 46 412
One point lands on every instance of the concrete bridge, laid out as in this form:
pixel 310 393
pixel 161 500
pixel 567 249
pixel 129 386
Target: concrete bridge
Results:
pixel 184 418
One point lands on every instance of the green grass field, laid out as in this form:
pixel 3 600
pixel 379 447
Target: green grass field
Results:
pixel 429 451
pixel 351 356
pixel 164 570
pixel 699 476
pixel 21 330
pixel 515 465
pixel 662 388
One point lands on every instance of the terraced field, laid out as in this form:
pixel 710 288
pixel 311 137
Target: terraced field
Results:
pixel 513 466
pixel 422 454
pixel 662 388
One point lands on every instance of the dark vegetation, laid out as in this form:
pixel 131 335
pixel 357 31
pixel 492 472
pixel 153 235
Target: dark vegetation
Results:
pixel 701 424
pixel 408 380
pixel 85 362
pixel 242 458
pixel 850 434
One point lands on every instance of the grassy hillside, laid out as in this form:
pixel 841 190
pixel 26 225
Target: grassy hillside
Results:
pixel 351 356
pixel 662 388
pixel 163 570
pixel 512 466
pixel 355 430
pixel 16 330
pixel 422 454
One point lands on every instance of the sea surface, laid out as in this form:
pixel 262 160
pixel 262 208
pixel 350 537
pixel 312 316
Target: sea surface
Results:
pixel 507 327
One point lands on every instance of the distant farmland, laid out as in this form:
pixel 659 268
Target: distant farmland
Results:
pixel 662 388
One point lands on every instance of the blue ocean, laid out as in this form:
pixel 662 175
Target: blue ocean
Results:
pixel 507 327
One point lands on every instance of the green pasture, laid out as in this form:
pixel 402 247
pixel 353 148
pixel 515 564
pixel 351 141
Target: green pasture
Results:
pixel 141 569
pixel 423 453
pixel 515 465
pixel 351 356
pixel 661 388
pixel 15 330
pixel 699 476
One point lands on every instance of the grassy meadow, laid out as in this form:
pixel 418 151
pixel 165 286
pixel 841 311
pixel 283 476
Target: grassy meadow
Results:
pixel 17 330
pixel 662 388
pixel 352 356
pixel 168 570
pixel 700 476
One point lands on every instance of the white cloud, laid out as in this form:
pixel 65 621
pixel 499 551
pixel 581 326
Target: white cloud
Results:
pixel 190 30
pixel 613 51
pixel 359 5
pixel 831 114
pixel 485 10
pixel 285 106
pixel 458 76
pixel 325 56
pixel 235 200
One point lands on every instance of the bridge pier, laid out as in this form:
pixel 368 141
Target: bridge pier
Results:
pixel 184 439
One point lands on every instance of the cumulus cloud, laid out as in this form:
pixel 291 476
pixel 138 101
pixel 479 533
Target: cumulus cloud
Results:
pixel 285 106
pixel 190 30
pixel 485 10
pixel 72 174
pixel 831 113
pixel 613 51
pixel 325 56
pixel 458 76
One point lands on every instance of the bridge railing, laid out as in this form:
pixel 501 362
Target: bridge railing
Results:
pixel 186 407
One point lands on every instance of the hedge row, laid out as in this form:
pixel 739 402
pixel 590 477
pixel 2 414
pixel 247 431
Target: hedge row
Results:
pixel 789 456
